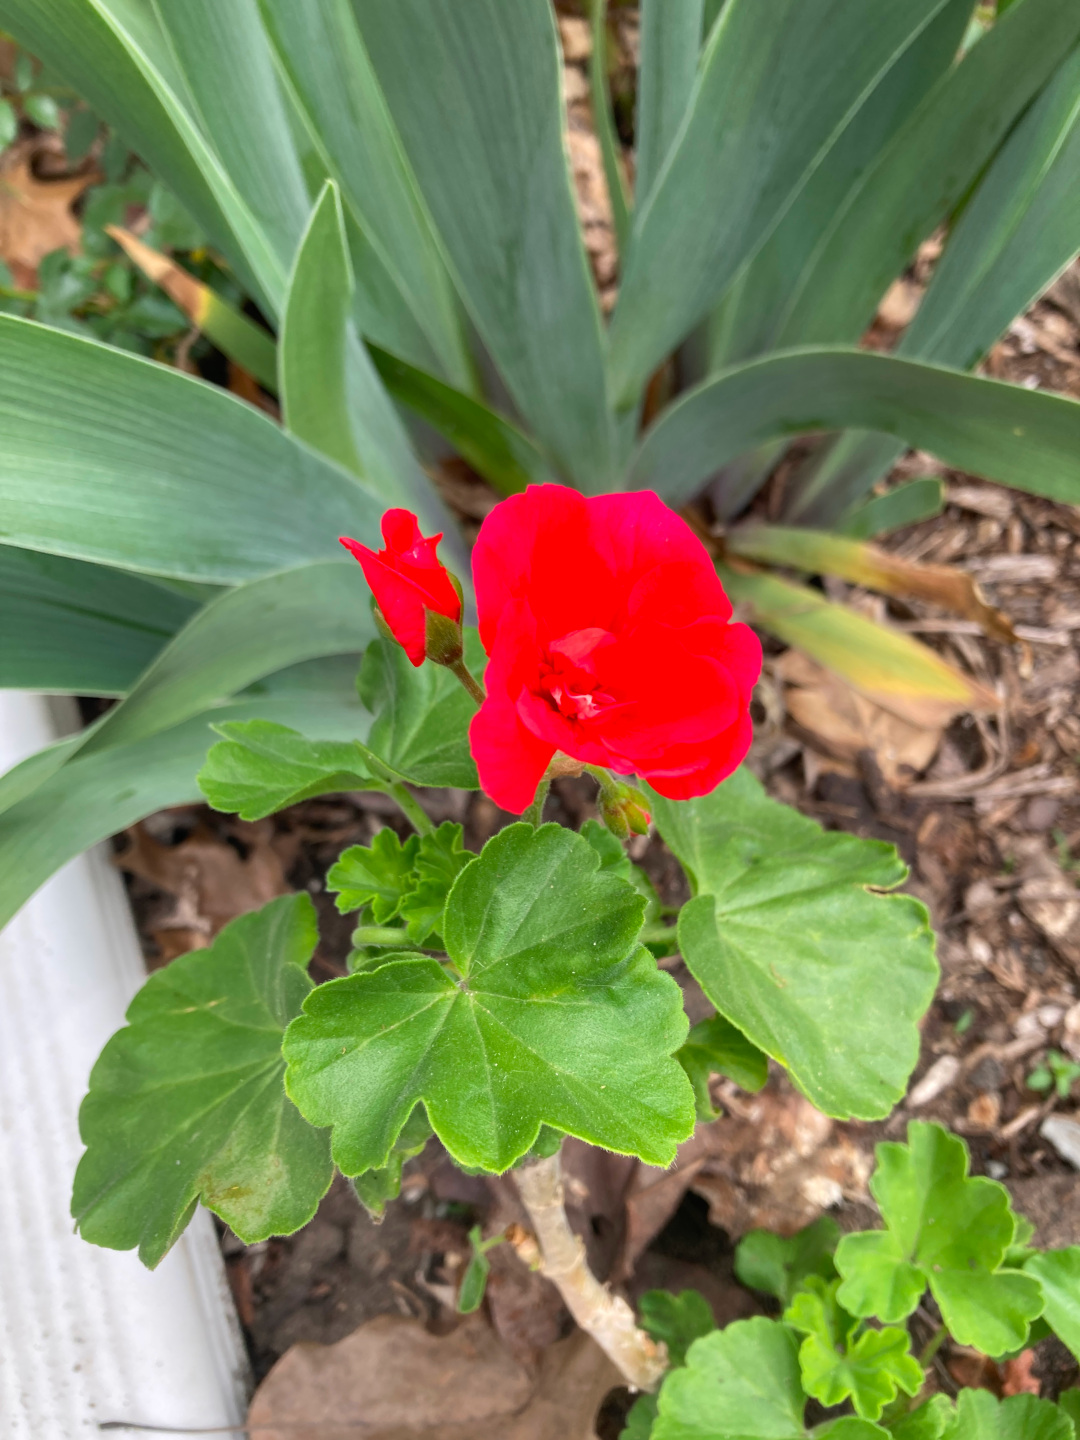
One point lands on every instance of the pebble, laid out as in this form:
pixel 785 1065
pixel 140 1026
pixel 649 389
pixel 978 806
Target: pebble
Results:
pixel 938 1078
pixel 980 950
pixel 996 1169
pixel 1064 1136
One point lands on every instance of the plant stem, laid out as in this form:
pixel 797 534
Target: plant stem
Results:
pixel 535 813
pixel 379 935
pixel 392 786
pixel 412 810
pixel 469 680
pixel 933 1345
pixel 604 1316
pixel 603 778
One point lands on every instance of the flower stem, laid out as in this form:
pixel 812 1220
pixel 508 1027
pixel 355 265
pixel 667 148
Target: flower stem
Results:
pixel 469 680
pixel 535 813
pixel 603 778
pixel 604 1316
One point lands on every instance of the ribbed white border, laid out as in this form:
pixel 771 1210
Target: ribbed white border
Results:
pixel 87 1335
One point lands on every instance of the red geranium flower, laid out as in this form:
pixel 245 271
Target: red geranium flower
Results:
pixel 609 640
pixel 407 581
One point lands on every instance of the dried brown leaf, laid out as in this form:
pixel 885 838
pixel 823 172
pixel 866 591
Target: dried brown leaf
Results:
pixel 393 1380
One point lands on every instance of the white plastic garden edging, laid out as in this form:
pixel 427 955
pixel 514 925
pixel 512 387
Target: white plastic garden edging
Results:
pixel 87 1335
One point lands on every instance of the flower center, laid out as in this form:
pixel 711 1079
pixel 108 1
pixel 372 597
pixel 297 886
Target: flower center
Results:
pixel 568 678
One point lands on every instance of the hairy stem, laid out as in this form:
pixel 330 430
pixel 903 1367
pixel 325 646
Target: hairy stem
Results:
pixel 469 680
pixel 392 786
pixel 535 813
pixel 606 1317
pixel 380 935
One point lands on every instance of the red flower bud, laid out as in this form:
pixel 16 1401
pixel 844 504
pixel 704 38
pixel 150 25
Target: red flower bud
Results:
pixel 609 637
pixel 409 584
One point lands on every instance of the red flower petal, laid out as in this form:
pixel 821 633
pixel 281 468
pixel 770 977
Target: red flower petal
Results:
pixel 407 579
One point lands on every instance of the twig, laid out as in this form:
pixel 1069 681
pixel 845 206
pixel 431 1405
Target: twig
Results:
pixel 604 1316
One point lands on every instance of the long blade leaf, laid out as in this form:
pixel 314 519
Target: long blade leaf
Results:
pixel 894 670
pixel 241 637
pixel 670 49
pixel 80 629
pixel 1019 437
pixel 320 49
pixel 1019 231
pixel 95 795
pixel 228 69
pixel 111 458
pixel 779 79
pixel 923 174
pixel 332 395
pixel 497 183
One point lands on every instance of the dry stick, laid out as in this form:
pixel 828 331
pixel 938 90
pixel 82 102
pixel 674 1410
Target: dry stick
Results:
pixel 604 1316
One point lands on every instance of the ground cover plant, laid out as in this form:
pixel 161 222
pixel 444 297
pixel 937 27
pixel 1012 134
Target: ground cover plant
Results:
pixel 943 1230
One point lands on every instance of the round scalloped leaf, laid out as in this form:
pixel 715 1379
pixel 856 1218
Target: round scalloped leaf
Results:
pixel 549 1013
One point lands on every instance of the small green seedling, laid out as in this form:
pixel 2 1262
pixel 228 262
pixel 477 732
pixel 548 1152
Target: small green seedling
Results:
pixel 1057 1072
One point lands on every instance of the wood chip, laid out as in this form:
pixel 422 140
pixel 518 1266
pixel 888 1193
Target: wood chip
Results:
pixel 939 1077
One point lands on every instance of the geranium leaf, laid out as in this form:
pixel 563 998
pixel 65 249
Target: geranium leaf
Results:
pixel 929 1422
pixel 187 1102
pixel 260 768
pixel 677 1320
pixel 440 859
pixel 1069 1401
pixel 946 1230
pixel 1058 1272
pixel 551 1014
pixel 421 725
pixel 716 1047
pixel 979 1416
pixel 378 875
pixel 779 1265
pixel 878 1365
pixel 739 1383
pixel 788 940
pixel 815 1310
pixel 640 1421
pixel 376 1188
pixel 613 857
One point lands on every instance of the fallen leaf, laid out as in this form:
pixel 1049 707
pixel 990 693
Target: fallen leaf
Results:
pixel 35 215
pixel 844 723
pixel 210 879
pixel 393 1380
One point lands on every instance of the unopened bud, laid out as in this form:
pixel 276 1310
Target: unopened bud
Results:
pixel 624 810
pixel 443 642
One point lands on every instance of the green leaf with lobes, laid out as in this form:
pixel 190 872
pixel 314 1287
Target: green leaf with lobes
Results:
pixel 716 1047
pixel 378 875
pixel 743 1383
pixel 549 1013
pixel 929 1421
pixel 677 1320
pixel 259 768
pixel 779 1265
pixel 788 939
pixel 980 1416
pixel 837 1363
pixel 187 1102
pixel 440 859
pixel 376 1188
pixel 945 1230
pixel 1058 1272
pixel 421 724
